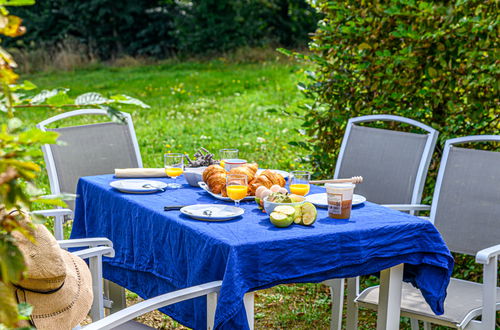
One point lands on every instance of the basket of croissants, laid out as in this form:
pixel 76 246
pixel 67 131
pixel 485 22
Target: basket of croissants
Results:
pixel 215 178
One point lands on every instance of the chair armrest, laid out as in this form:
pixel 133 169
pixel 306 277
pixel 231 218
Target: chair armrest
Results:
pixel 484 256
pixel 85 242
pixel 95 251
pixel 53 212
pixel 129 313
pixel 408 207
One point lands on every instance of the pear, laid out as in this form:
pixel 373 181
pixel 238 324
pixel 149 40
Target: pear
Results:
pixel 283 216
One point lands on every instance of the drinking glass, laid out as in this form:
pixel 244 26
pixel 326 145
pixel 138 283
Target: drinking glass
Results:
pixel 174 166
pixel 227 154
pixel 299 182
pixel 236 187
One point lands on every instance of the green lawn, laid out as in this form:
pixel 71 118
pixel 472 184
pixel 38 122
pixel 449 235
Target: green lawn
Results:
pixel 215 105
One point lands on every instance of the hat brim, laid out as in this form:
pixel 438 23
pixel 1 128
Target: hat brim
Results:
pixel 68 306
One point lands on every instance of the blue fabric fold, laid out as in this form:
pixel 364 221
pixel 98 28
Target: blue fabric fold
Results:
pixel 158 251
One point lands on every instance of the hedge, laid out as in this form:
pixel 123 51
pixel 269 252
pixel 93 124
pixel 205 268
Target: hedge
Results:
pixel 433 61
pixel 161 28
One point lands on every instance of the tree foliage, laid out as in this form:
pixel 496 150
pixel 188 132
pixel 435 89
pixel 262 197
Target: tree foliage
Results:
pixel 433 61
pixel 162 27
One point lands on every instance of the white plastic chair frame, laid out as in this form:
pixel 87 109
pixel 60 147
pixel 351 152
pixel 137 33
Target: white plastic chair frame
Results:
pixel 49 159
pixel 337 285
pixel 488 257
pixel 95 249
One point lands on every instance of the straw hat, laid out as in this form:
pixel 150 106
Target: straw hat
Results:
pixel 57 284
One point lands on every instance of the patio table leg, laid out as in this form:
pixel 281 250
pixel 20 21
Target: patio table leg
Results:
pixel 390 298
pixel 248 301
pixel 352 307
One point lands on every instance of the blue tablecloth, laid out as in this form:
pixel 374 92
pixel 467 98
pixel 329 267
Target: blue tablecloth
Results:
pixel 158 251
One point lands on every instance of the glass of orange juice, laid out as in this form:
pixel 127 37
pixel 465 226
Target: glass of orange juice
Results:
pixel 227 154
pixel 237 187
pixel 299 182
pixel 174 166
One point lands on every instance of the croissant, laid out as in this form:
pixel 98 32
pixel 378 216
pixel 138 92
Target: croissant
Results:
pixel 212 169
pixel 267 179
pixel 215 177
pixel 243 170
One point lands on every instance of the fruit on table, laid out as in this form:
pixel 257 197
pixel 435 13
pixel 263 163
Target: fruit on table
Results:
pixel 260 190
pixel 283 190
pixel 265 193
pixel 275 188
pixel 296 198
pixel 308 214
pixel 283 216
pixel 277 197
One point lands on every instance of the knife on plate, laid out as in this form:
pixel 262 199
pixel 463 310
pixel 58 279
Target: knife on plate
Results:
pixel 173 207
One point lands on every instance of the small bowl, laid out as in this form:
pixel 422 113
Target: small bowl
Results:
pixel 193 175
pixel 270 206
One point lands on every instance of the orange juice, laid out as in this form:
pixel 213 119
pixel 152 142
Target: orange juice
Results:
pixel 299 189
pixel 237 192
pixel 173 171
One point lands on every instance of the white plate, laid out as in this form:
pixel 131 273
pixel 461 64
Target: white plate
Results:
pixel 320 199
pixel 138 186
pixel 204 186
pixel 212 212
pixel 283 173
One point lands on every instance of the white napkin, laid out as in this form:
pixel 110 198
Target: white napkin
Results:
pixel 140 173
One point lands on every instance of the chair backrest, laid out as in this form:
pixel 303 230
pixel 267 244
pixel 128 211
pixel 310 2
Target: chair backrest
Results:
pixel 88 150
pixel 392 163
pixel 466 203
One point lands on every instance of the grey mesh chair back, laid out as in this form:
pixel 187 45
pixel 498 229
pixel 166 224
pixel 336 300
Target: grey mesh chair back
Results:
pixel 88 150
pixel 392 163
pixel 466 204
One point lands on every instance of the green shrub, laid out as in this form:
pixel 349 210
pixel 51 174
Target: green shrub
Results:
pixel 433 61
pixel 107 28
pixel 160 28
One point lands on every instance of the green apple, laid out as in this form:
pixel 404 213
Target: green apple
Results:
pixel 298 214
pixel 282 216
pixel 309 214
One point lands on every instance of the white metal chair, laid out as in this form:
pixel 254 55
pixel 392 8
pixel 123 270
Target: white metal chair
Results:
pixel 91 149
pixel 95 249
pixel 394 166
pixel 466 210
pixel 87 150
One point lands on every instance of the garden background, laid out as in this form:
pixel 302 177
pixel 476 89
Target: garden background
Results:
pixel 211 73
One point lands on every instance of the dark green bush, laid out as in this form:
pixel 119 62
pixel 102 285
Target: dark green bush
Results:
pixel 433 61
pixel 161 27
pixel 107 28
pixel 213 25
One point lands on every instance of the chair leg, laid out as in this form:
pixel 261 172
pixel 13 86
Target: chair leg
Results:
pixel 211 307
pixel 352 307
pixel 427 325
pixel 97 309
pixel 58 227
pixel 117 296
pixel 337 293
pixel 414 324
pixel 248 300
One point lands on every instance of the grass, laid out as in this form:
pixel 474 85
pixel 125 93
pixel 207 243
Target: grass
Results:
pixel 216 105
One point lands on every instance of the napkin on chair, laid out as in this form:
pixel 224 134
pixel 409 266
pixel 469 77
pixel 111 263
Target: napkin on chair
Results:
pixel 140 173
